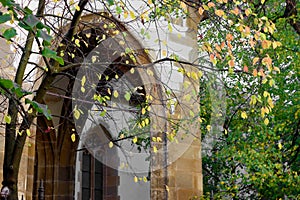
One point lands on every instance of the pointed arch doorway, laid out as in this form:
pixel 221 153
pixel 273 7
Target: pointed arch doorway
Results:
pixel 69 170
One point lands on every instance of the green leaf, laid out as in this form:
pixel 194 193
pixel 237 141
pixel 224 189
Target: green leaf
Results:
pixel 31 21
pixel 40 108
pixel 6 83
pixel 111 2
pixel 52 54
pixel 4 18
pixel 46 37
pixel 27 10
pixel 119 10
pixel 41 26
pixel 23 25
pixel 9 33
pixel 127 96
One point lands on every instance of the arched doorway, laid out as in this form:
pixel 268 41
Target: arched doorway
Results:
pixel 61 162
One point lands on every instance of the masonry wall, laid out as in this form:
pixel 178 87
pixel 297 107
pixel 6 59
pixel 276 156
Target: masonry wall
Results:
pixel 25 181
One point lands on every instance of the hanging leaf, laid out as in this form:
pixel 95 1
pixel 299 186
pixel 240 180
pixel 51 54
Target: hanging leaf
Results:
pixel 266 121
pixel 116 94
pixel 9 33
pixel 4 18
pixel 6 83
pixel 31 21
pixel 40 108
pixel 110 144
pixel 110 2
pixel 7 119
pixel 73 137
pixel 45 36
pixel 154 149
pixel 52 54
pixel 28 132
pixel 134 140
pixel 76 114
pixel 244 115
pixel 127 96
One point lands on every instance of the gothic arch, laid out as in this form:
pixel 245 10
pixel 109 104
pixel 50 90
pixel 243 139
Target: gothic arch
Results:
pixel 55 159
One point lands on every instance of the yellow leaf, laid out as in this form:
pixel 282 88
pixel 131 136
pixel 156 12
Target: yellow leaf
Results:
pixel 244 115
pixel 266 44
pixel 147 121
pixel 28 132
pixel 83 80
pixel 200 74
pixel 159 139
pixel 253 100
pixel 167 188
pixel 94 58
pixel 149 72
pixel 135 179
pixel 225 132
pixel 110 144
pixel 125 14
pixel 143 111
pixel 132 15
pixel 248 12
pixel 135 139
pixel 7 119
pixel 270 102
pixel 20 133
pixel 263 111
pixel 145 179
pixel 276 44
pixel 266 94
pixel 73 137
pixel 82 89
pixel 194 75
pixel 154 149
pixel 132 70
pixel 76 113
pixel 276 69
pixel 77 7
pixel 279 146
pixel 262 1
pixel 77 42
pixel 208 127
pixel 116 94
pixel 205 7
pixel 164 52
pixel 255 60
pixel 271 82
pixel 266 121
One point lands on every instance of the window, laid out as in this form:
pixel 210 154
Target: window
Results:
pixel 92 178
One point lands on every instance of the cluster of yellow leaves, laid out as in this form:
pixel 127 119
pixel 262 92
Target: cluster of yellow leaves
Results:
pixel 156 139
pixel 144 122
pixel 137 179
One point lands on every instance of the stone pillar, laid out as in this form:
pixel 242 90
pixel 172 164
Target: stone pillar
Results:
pixel 182 179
